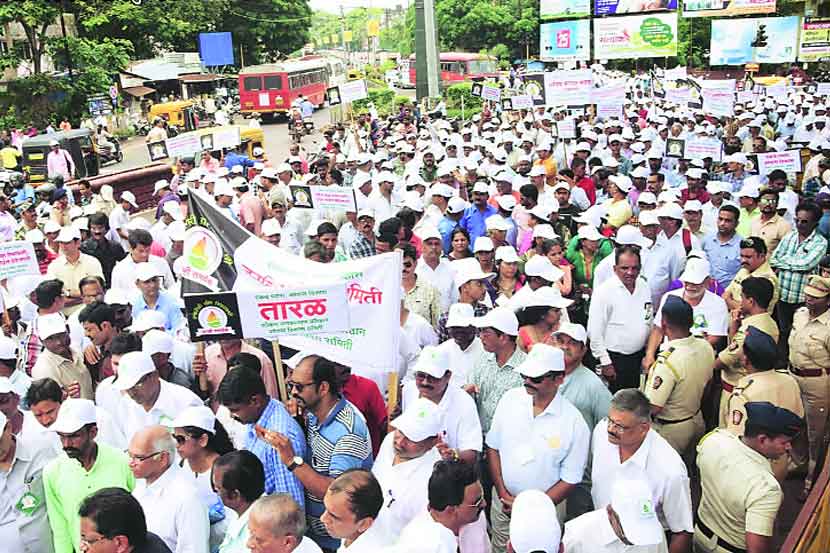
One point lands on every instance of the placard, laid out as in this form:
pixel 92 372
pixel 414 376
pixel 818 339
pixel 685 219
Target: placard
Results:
pixel 17 258
pixel 333 95
pixel 157 150
pixel 698 147
pixel 822 89
pixel 566 128
pixel 353 90
pixel 475 89
pixel 675 147
pixel 522 101
pixel 490 92
pixel 679 96
pixel 183 145
pixel 718 8
pixel 563 9
pixel 637 36
pixel 333 197
pixel 611 7
pixel 565 87
pixel 226 138
pixel 815 40
pixel 610 109
pixel 788 161
pixel 507 104
pixel 733 39
pixel 676 74
pixel 565 41
pixel 719 103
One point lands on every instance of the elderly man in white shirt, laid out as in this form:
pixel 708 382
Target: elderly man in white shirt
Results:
pixel 166 493
pixel 463 346
pixel 626 447
pixel 620 319
pixel 537 440
pixel 434 268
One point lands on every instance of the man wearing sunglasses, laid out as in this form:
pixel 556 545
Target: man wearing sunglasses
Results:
pixel 537 440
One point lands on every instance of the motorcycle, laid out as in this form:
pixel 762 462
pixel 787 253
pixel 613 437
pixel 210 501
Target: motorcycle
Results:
pixel 142 127
pixel 114 153
pixel 308 123
pixel 296 128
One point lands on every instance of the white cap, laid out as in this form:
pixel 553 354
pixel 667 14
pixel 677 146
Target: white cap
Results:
pixel 538 171
pixel 481 187
pixel 546 296
pixel 540 266
pixel 146 271
pixel 50 325
pixel 420 421
pixel 365 212
pixel 68 234
pixel 271 227
pixel 466 273
pixel 648 217
pixel 632 501
pixel 506 202
pixel 50 227
pixel 500 318
pixel 73 415
pixel 630 235
pixel 157 341
pixel 542 359
pixel 483 244
pixel 35 236
pixel 176 230
pixel 749 191
pixel 622 182
pixel 147 320
pixel 541 211
pixel 534 524
pixel 199 416
pixel 639 173
pixel 543 230
pixel 575 331
pixel 433 361
pixel 427 232
pixel 8 348
pixel 460 315
pixel 696 271
pixel 496 222
pixel 647 198
pixel 692 205
pixel 588 232
pixel 117 296
pixel 671 210
pixel 132 367
pixel 129 197
pixel 158 186
pixel 174 210
pixel 222 188
pixel 507 254
pixel 456 205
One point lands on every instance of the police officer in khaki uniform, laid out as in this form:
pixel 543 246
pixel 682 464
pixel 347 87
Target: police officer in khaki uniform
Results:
pixel 763 383
pixel 678 378
pixel 754 263
pixel 756 293
pixel 740 496
pixel 810 363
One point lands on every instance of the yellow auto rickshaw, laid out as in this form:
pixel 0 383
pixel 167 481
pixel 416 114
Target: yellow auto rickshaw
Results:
pixel 80 145
pixel 179 114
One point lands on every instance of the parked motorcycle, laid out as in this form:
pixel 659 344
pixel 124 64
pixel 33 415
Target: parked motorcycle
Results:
pixel 142 127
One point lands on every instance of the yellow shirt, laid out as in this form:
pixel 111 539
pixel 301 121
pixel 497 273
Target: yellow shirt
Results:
pixel 733 291
pixel 64 371
pixel 618 212
pixel 550 168
pixel 776 386
pixel 72 273
pixel 731 356
pixel 810 340
pixel 679 377
pixel 9 156
pixel 771 231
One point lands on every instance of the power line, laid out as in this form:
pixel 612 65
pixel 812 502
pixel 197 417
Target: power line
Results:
pixel 268 20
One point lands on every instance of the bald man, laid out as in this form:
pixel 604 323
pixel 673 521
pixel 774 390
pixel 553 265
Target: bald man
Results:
pixel 167 493
pixel 277 525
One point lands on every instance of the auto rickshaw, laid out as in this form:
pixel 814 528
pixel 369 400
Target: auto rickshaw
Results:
pixel 179 114
pixel 80 143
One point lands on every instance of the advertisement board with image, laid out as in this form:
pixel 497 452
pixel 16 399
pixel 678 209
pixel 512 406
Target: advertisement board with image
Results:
pixel 754 40
pixel 636 36
pixel 565 40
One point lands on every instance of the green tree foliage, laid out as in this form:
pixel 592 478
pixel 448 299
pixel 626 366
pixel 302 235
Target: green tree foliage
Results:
pixel 34 16
pixel 267 29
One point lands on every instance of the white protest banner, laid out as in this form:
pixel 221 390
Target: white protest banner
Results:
pixel 776 91
pixel 333 197
pixel 566 128
pixel 614 91
pixel 564 88
pixel 226 138
pixel 822 89
pixel 788 161
pixel 744 96
pixel 273 314
pixel 676 74
pixel 679 96
pixel 353 90
pixel 718 102
pixel 609 109
pixel 522 101
pixel 183 145
pixel 700 147
pixel 17 258
pixel 491 92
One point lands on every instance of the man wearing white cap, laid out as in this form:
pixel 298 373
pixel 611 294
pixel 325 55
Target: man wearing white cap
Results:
pixel 167 493
pixel 433 268
pixel 679 241
pixel 364 243
pixel 152 298
pixel 625 446
pixel 159 344
pixel 537 440
pixel 627 235
pixel 120 218
pixel 469 283
pixel 58 360
pixel 693 217
pixel 148 399
pixel 474 217
pixel 86 467
pixel 463 345
pixel 534 524
pixel 72 265
pixel 629 524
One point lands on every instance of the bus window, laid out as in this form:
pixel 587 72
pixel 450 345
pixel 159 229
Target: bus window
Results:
pixel 252 83
pixel 273 82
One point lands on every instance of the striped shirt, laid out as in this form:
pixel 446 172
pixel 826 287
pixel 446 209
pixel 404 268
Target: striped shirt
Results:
pixel 275 417
pixel 339 443
pixel 795 261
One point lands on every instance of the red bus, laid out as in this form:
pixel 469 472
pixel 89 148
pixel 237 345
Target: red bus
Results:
pixel 270 88
pixel 456 67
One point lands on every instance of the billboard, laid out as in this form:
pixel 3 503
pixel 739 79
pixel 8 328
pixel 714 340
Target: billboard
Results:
pixel 721 8
pixel 216 49
pixel 815 40
pixel 734 41
pixel 635 36
pixel 563 9
pixel 565 40
pixel 611 7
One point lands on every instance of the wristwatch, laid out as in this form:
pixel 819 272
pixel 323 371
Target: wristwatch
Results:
pixel 295 462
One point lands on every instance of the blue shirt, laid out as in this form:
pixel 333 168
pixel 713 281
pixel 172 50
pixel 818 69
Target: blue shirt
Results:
pixel 232 158
pixel 445 227
pixel 724 257
pixel 306 108
pixel 473 221
pixel 340 443
pixel 278 479
pixel 23 194
pixel 165 303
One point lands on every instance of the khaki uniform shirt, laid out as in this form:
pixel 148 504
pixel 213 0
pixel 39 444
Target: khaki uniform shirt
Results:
pixel 810 340
pixel 776 386
pixel 733 291
pixel 72 273
pixel 731 356
pixel 739 491
pixel 771 231
pixel 678 378
pixel 64 371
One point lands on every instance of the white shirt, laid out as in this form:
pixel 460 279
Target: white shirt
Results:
pixel 119 219
pixel 123 274
pixel 459 416
pixel 462 361
pixel 307 546
pixel 655 269
pixel 441 277
pixel 174 511
pixel 172 400
pixel 710 315
pixel 383 207
pixel 677 251
pixel 618 320
pixel 370 541
pixel 536 452
pixel 424 535
pixel 592 533
pixel 420 330
pixel 657 463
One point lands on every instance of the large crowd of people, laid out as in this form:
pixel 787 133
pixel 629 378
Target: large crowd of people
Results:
pixel 592 329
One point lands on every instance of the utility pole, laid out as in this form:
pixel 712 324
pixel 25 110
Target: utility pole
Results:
pixel 426 50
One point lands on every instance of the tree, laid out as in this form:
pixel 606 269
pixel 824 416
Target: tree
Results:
pixel 34 16
pixel 268 29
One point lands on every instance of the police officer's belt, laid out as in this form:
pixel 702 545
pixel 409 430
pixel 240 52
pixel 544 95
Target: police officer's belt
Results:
pixel 722 543
pixel 727 387
pixel 664 421
pixel 806 372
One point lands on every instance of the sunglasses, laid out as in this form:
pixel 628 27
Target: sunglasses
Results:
pixel 299 386
pixel 538 379
pixel 180 439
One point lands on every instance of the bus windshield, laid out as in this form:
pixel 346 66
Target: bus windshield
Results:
pixel 481 66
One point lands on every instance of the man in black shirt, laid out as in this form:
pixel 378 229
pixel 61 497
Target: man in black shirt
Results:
pixel 107 252
pixel 115 518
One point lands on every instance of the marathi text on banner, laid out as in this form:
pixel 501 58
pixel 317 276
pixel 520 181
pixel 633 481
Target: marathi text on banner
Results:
pixel 637 36
pixel 563 88
pixel 353 90
pixel 563 9
pixel 17 258
pixel 719 103
pixel 815 40
pixel 699 148
pixel 788 161
pixel 705 8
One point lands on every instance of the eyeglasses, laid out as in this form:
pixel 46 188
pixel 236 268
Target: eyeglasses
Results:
pixel 300 386
pixel 614 424
pixel 424 376
pixel 180 439
pixel 537 379
pixel 142 458
pixel 478 504
pixel 89 542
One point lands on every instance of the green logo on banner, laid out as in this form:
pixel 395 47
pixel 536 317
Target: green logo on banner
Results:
pixel 655 32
